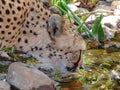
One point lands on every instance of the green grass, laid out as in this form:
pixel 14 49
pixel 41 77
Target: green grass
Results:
pixel 97 30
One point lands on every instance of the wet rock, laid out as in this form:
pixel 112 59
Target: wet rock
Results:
pixel 115 74
pixel 23 77
pixel 4 85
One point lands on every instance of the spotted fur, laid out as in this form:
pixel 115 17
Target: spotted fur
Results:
pixel 31 26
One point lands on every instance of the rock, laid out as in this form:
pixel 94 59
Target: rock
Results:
pixel 111 20
pixel 4 85
pixel 109 33
pixel 117 10
pixel 108 1
pixel 73 7
pixel 81 11
pixel 104 9
pixel 46 68
pixel 91 18
pixel 23 77
pixel 103 3
pixel 109 25
pixel 115 3
pixel 3 76
pixel 4 54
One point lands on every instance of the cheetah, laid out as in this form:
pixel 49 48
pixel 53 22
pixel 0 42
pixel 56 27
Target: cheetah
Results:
pixel 31 27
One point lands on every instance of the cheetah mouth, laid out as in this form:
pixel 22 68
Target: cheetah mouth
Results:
pixel 76 65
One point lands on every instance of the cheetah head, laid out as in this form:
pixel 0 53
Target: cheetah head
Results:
pixel 58 44
pixel 67 45
pixel 31 27
pixel 64 34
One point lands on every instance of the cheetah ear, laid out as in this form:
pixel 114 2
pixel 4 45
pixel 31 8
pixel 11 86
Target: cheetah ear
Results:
pixel 55 25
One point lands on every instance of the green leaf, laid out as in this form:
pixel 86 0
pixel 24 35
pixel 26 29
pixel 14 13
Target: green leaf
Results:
pixel 62 6
pixel 93 1
pixel 100 34
pixel 79 22
pixel 97 25
pixel 97 28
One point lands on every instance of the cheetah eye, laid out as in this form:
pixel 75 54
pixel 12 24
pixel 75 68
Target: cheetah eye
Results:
pixel 55 25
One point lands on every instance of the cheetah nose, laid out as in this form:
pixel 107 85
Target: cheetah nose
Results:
pixel 71 69
pixel 77 64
